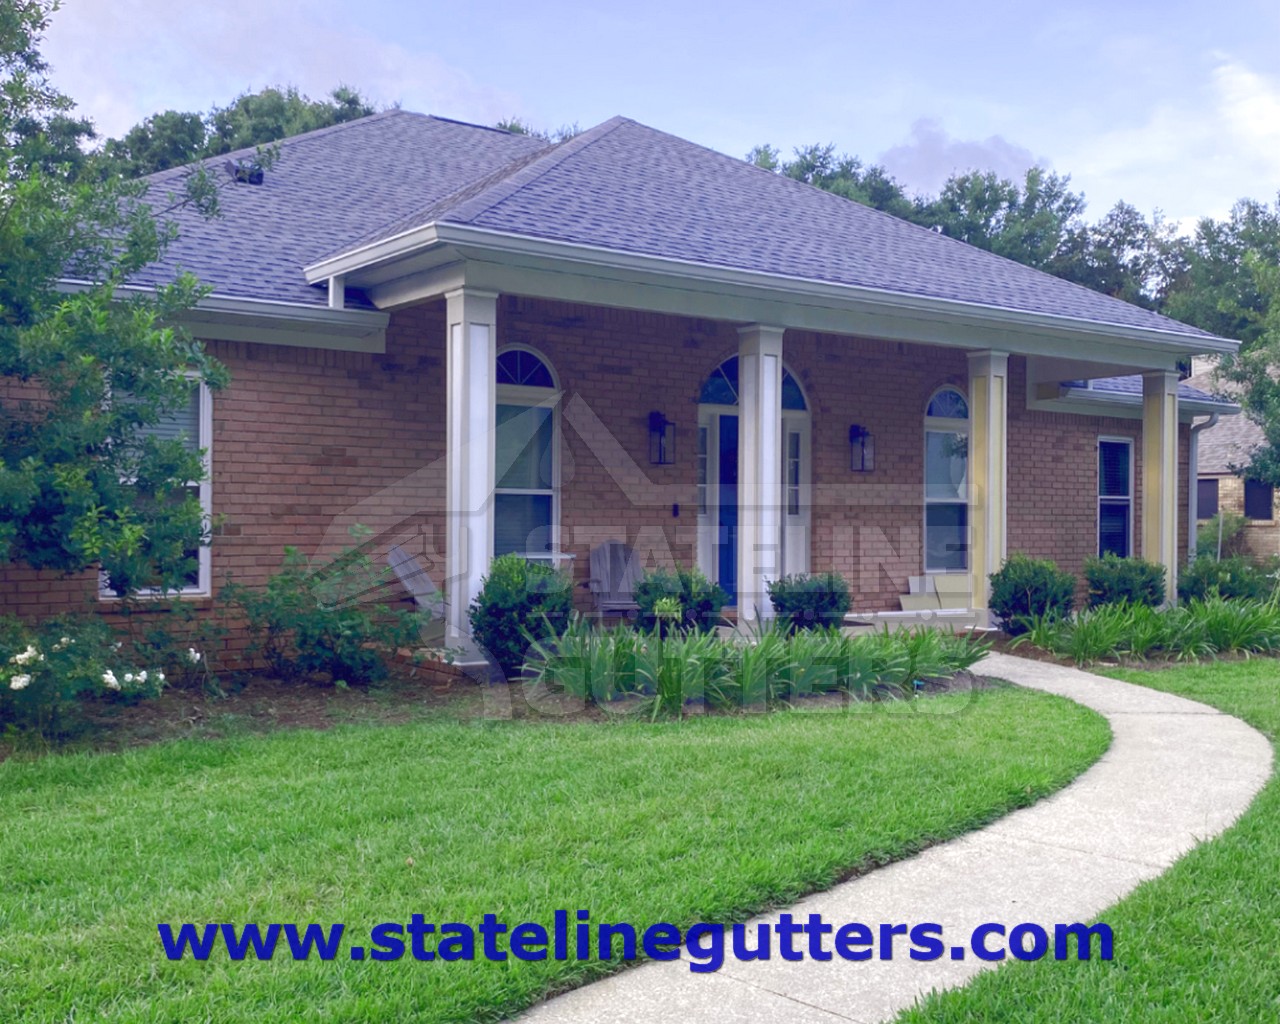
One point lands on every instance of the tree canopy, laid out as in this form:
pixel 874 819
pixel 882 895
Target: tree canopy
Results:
pixel 174 138
pixel 87 370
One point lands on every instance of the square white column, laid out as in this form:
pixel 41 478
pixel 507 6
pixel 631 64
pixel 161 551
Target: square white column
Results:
pixel 988 470
pixel 471 376
pixel 1160 474
pixel 759 468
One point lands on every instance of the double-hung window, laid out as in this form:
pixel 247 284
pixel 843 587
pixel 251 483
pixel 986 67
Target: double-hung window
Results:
pixel 192 424
pixel 1115 497
pixel 946 482
pixel 525 513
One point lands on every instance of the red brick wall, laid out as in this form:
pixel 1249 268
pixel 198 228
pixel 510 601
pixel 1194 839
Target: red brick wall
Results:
pixel 307 442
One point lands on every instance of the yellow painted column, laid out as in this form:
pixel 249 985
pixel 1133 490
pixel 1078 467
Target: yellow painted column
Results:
pixel 988 472
pixel 1160 474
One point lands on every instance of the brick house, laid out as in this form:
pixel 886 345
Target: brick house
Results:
pixel 474 342
pixel 1223 448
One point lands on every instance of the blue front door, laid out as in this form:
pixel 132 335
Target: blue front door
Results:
pixel 727 520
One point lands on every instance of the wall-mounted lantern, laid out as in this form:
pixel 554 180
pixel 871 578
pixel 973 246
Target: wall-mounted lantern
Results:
pixel 662 440
pixel 862 450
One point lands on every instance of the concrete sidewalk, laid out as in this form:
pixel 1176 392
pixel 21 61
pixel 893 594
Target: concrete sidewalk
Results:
pixel 1177 773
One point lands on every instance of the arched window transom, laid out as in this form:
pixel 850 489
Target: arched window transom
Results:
pixel 522 368
pixel 721 388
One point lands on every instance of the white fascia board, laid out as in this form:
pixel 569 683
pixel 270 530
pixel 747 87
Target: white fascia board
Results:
pixel 1087 402
pixel 691 274
pixel 264 321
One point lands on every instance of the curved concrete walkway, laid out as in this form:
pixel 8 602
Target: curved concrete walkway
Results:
pixel 1177 773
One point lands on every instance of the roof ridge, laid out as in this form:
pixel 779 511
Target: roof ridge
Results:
pixel 555 155
pixel 475 190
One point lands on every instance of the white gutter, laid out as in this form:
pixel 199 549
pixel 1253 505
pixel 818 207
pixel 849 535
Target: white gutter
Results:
pixel 437 234
pixel 266 321
pixel 1193 473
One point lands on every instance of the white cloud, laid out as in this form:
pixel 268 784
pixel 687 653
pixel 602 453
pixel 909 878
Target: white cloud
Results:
pixel 122 60
pixel 1191 157
pixel 931 156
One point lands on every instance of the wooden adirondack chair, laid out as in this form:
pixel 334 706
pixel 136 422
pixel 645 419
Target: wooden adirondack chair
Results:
pixel 615 572
pixel 426 595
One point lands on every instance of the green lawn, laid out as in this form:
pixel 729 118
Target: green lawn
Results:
pixel 1200 943
pixel 706 819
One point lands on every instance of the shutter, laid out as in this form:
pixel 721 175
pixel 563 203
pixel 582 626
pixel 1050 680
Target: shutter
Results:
pixel 181 424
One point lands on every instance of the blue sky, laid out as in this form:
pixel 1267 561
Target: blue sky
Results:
pixel 1169 105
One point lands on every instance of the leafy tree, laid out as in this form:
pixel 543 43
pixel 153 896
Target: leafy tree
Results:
pixel 174 138
pixel 1220 288
pixel 841 174
pixel 84 372
pixel 519 126
pixel 1026 223
pixel 1123 255
pixel 1255 372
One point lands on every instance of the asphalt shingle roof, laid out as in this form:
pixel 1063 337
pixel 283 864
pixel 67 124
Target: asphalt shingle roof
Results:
pixel 1229 442
pixel 326 188
pixel 620 186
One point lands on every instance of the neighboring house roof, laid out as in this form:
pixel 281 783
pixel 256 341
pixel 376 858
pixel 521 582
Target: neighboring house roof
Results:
pixel 1229 442
pixel 620 186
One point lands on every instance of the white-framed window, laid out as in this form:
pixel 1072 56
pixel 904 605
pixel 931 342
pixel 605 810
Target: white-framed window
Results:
pixel 1115 496
pixel 526 498
pixel 193 425
pixel 946 482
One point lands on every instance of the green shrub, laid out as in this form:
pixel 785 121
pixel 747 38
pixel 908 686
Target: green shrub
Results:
pixel 313 620
pixel 1250 627
pixel 1027 588
pixel 1116 580
pixel 1234 578
pixel 700 600
pixel 520 602
pixel 1221 536
pixel 810 600
pixel 46 670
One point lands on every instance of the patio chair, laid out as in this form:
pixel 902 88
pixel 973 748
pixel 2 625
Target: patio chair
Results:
pixel 426 595
pixel 614 575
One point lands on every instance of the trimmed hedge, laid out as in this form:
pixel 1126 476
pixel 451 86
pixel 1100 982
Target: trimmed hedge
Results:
pixel 519 599
pixel 699 600
pixel 1116 580
pixel 810 600
pixel 1025 588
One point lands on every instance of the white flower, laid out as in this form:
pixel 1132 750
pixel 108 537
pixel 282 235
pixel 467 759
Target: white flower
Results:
pixel 117 645
pixel 128 677
pixel 19 682
pixel 193 655
pixel 142 676
pixel 66 640
pixel 28 655
pixel 160 676
pixel 110 679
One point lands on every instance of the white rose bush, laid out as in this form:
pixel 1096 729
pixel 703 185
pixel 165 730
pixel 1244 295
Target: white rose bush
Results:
pixel 46 670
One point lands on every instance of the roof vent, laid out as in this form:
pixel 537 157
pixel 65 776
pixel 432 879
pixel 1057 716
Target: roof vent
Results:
pixel 245 171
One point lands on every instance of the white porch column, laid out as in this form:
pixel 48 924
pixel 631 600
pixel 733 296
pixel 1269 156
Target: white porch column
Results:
pixel 471 372
pixel 759 468
pixel 1160 474
pixel 988 473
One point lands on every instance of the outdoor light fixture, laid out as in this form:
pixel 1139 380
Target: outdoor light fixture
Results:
pixel 862 450
pixel 662 440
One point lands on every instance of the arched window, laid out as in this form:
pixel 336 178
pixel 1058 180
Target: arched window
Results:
pixel 946 482
pixel 721 388
pixel 526 492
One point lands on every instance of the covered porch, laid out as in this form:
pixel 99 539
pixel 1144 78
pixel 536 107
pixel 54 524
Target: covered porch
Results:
pixel 759 435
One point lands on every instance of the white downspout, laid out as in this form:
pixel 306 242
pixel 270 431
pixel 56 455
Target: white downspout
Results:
pixel 1193 472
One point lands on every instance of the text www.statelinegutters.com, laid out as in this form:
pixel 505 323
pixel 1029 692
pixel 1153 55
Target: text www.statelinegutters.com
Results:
pixel 574 936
